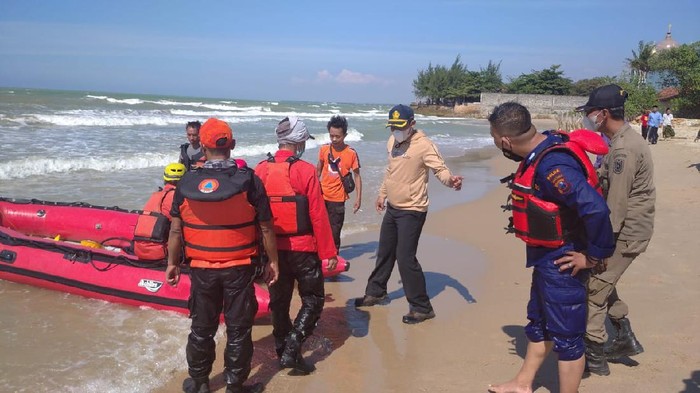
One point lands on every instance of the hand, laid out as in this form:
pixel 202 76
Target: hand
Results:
pixel 456 182
pixel 172 275
pixel 575 261
pixel 332 263
pixel 599 267
pixel 380 205
pixel 271 274
pixel 358 204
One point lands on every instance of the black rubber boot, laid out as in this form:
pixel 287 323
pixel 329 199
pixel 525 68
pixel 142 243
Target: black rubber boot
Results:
pixel 596 363
pixel 291 357
pixel 625 343
pixel 195 386
pixel 280 343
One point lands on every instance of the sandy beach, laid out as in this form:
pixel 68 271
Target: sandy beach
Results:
pixel 479 287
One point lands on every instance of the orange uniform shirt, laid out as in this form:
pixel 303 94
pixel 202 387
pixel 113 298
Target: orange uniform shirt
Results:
pixel 331 186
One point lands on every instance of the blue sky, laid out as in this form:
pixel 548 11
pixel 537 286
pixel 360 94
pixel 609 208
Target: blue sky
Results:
pixel 353 51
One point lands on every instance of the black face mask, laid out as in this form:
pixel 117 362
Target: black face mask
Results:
pixel 507 153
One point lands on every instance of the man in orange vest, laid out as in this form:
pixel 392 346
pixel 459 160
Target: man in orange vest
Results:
pixel 217 212
pixel 161 202
pixel 304 238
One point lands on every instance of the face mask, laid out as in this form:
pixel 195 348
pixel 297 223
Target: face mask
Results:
pixel 508 153
pixel 400 136
pixel 512 156
pixel 590 124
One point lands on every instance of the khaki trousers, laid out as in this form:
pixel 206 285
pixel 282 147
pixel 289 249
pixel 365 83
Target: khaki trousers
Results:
pixel 603 299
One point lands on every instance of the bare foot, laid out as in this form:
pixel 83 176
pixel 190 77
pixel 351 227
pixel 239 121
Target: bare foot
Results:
pixel 510 387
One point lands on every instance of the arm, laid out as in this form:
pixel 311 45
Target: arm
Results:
pixel 172 272
pixel 257 196
pixel 319 168
pixel 620 177
pixel 321 161
pixel 355 167
pixel 379 204
pixel 270 245
pixel 381 198
pixel 433 160
pixel 319 217
pixel 564 183
pixel 358 190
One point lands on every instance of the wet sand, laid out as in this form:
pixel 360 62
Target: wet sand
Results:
pixel 479 287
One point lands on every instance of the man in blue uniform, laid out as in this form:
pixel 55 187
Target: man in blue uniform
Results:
pixel 654 122
pixel 563 218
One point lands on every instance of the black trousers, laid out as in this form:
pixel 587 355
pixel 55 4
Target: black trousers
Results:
pixel 336 215
pixel 645 131
pixel 653 135
pixel 305 269
pixel 213 290
pixel 398 241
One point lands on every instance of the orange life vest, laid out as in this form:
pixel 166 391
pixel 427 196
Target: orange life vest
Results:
pixel 152 250
pixel 536 221
pixel 290 211
pixel 219 227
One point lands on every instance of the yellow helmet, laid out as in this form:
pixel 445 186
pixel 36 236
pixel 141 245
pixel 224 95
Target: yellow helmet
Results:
pixel 174 171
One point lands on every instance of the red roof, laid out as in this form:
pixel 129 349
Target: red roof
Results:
pixel 668 93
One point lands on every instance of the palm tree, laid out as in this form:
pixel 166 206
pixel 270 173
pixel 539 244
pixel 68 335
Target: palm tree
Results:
pixel 640 61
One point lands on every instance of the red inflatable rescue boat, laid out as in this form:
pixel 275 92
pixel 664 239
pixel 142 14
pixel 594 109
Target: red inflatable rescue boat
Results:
pixel 85 250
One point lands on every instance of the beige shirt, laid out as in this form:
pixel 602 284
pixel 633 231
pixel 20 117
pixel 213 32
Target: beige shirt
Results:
pixel 627 176
pixel 405 184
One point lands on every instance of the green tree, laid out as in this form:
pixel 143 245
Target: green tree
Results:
pixel 640 96
pixel 548 81
pixel 456 84
pixel 488 80
pixel 680 67
pixel 640 62
pixel 584 87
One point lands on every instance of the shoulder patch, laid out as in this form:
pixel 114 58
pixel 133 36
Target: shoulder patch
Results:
pixel 556 177
pixel 563 187
pixel 619 164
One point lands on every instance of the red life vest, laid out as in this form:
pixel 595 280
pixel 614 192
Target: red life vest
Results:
pixel 536 221
pixel 218 222
pixel 290 211
pixel 147 223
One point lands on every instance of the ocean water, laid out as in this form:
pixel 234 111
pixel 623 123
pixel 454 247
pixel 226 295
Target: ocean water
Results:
pixel 110 149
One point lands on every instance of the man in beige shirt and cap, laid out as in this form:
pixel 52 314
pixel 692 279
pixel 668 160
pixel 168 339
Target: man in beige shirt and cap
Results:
pixel 627 177
pixel 412 155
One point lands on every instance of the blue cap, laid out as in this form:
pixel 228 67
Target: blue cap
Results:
pixel 399 116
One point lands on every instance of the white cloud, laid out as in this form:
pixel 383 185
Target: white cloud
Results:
pixel 357 78
pixel 344 77
pixel 323 75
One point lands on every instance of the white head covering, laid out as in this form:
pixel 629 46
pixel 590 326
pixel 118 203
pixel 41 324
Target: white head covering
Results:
pixel 292 130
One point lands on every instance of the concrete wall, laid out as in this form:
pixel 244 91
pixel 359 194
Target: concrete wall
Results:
pixel 536 103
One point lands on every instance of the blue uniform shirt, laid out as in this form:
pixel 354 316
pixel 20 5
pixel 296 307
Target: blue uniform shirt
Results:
pixel 655 119
pixel 560 179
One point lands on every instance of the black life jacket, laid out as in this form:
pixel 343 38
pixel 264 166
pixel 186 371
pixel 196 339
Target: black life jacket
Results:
pixel 191 163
